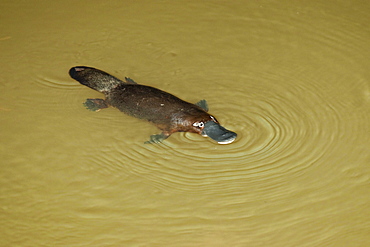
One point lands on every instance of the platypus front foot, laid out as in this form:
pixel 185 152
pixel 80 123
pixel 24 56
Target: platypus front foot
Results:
pixel 156 138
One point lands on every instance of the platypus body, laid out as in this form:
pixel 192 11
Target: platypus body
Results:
pixel 166 111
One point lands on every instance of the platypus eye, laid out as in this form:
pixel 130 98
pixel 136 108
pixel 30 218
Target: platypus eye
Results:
pixel 198 124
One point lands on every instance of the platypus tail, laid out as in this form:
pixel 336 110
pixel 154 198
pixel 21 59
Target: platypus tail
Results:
pixel 94 78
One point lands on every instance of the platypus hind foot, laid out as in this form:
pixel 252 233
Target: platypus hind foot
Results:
pixel 157 138
pixel 95 104
pixel 130 81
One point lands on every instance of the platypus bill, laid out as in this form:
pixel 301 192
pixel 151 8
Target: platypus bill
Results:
pixel 169 113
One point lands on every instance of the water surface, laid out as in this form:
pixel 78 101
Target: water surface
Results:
pixel 292 79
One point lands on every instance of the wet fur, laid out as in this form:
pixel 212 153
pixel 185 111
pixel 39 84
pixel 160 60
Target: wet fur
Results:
pixel 166 111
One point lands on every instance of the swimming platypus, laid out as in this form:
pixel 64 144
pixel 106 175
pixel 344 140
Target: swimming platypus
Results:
pixel 166 111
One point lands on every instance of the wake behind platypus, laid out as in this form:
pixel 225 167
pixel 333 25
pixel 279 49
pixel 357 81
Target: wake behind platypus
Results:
pixel 166 111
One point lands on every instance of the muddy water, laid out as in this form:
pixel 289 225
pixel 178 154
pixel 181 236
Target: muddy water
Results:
pixel 292 79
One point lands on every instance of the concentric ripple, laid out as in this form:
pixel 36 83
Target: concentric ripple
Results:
pixel 285 119
pixel 282 131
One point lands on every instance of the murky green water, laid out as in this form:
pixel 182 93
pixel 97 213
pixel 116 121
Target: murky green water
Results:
pixel 292 79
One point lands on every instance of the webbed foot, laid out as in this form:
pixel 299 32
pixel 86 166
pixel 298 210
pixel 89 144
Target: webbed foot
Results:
pixel 203 104
pixel 95 104
pixel 157 138
pixel 130 81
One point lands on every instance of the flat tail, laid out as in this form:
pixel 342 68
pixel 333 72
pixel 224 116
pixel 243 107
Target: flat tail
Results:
pixel 94 78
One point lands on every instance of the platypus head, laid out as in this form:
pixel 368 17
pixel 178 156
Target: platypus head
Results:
pixel 218 133
pixel 213 129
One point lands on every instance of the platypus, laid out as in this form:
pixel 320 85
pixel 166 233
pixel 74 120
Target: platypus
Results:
pixel 166 111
